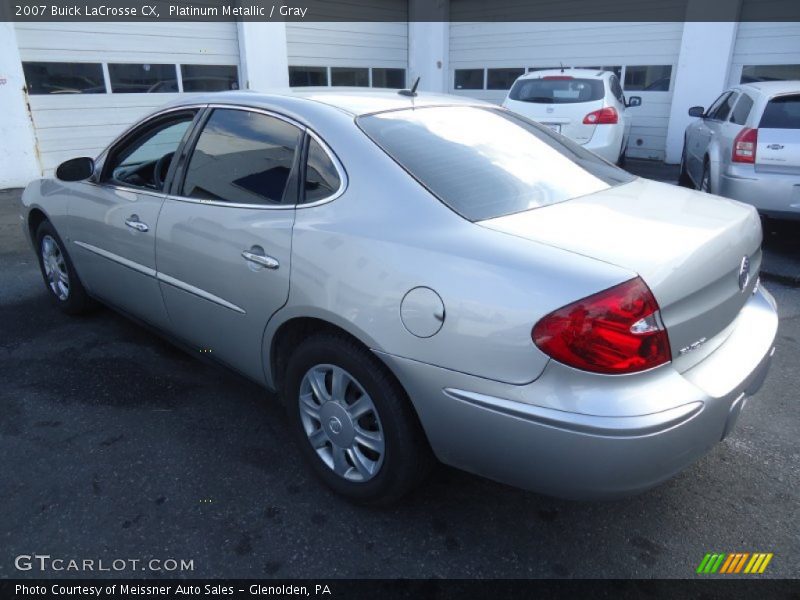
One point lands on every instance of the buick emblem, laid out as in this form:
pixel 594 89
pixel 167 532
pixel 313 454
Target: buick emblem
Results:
pixel 744 273
pixel 335 425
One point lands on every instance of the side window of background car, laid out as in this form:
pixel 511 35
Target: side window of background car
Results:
pixel 715 106
pixel 742 110
pixel 143 162
pixel 242 157
pixel 322 179
pixel 725 108
pixel 616 88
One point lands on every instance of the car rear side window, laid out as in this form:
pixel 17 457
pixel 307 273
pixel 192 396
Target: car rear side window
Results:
pixel 782 113
pixel 242 157
pixel 484 162
pixel 322 179
pixel 742 110
pixel 557 90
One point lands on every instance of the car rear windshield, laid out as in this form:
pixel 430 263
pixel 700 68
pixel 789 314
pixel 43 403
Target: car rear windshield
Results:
pixel 557 90
pixel 782 112
pixel 485 162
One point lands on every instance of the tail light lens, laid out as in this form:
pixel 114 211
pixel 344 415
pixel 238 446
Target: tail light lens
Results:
pixel 744 146
pixel 616 331
pixel 604 116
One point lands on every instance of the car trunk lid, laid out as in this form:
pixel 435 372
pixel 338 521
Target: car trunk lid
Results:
pixel 688 247
pixel 778 147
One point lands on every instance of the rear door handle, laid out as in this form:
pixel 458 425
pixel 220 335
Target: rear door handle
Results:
pixel 261 260
pixel 134 223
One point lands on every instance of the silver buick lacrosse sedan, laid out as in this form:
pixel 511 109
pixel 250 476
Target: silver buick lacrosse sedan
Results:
pixel 424 277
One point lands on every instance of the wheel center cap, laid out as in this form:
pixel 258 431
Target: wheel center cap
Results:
pixel 337 424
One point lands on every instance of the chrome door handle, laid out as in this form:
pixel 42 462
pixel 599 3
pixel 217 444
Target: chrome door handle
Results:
pixel 134 223
pixel 261 260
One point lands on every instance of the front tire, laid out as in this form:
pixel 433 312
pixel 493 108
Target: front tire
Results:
pixel 353 421
pixel 62 283
pixel 683 178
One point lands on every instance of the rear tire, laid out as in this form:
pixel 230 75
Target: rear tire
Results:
pixel 683 178
pixel 353 421
pixel 63 286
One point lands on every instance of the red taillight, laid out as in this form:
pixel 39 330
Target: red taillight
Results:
pixel 744 146
pixel 616 331
pixel 557 77
pixel 604 116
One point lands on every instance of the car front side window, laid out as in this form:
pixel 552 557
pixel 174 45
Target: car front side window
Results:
pixel 712 110
pixel 143 159
pixel 243 157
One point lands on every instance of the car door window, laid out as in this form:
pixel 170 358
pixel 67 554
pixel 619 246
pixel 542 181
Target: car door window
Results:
pixel 742 110
pixel 243 157
pixel 143 159
pixel 322 179
pixel 717 103
pixel 725 108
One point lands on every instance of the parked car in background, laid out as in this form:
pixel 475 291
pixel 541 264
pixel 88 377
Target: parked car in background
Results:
pixel 586 105
pixel 423 275
pixel 746 146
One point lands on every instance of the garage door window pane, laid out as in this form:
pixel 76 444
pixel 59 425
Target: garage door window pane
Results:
pixel 322 179
pixel 389 78
pixel 209 78
pixel 751 73
pixel 652 78
pixel 308 76
pixel 502 79
pixel 142 78
pixel 353 77
pixel 782 113
pixel 64 78
pixel 469 79
pixel 242 157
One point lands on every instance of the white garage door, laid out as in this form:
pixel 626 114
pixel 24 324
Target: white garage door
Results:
pixel 765 51
pixel 87 82
pixel 362 54
pixel 486 57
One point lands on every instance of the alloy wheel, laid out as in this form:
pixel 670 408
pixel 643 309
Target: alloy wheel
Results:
pixel 341 423
pixel 55 268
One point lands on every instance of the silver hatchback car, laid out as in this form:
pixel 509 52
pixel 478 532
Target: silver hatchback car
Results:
pixel 746 146
pixel 424 276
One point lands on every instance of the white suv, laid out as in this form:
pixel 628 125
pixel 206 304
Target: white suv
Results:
pixel 586 105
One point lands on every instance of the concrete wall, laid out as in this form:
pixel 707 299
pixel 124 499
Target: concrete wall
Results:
pixel 18 156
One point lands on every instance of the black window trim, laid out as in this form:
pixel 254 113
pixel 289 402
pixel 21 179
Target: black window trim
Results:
pixel 101 178
pixel 186 149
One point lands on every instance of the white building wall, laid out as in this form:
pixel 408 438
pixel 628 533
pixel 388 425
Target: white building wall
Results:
pixel 70 125
pixel 525 44
pixel 18 161
pixel 262 55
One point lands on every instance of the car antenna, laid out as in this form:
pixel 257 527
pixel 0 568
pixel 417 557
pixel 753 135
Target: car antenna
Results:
pixel 412 92
pixel 562 66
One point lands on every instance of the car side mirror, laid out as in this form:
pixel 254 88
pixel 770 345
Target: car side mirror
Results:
pixel 697 111
pixel 76 169
pixel 633 101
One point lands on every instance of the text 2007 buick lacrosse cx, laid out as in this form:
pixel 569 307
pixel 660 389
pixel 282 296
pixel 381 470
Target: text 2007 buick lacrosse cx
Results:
pixel 424 277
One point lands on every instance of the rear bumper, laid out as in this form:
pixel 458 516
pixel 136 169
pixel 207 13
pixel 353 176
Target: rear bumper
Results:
pixel 585 436
pixel 606 142
pixel 772 194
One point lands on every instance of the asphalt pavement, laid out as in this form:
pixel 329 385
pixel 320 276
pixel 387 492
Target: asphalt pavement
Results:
pixel 116 445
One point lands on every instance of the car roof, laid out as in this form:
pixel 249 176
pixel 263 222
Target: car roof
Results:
pixel 770 88
pixel 349 100
pixel 566 72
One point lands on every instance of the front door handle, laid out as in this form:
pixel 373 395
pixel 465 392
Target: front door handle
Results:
pixel 261 260
pixel 134 223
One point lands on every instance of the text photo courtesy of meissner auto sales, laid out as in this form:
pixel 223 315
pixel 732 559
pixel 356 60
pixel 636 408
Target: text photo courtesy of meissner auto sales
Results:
pixel 399 298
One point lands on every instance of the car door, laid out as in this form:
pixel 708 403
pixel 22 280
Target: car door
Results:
pixel 705 133
pixel 113 224
pixel 224 234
